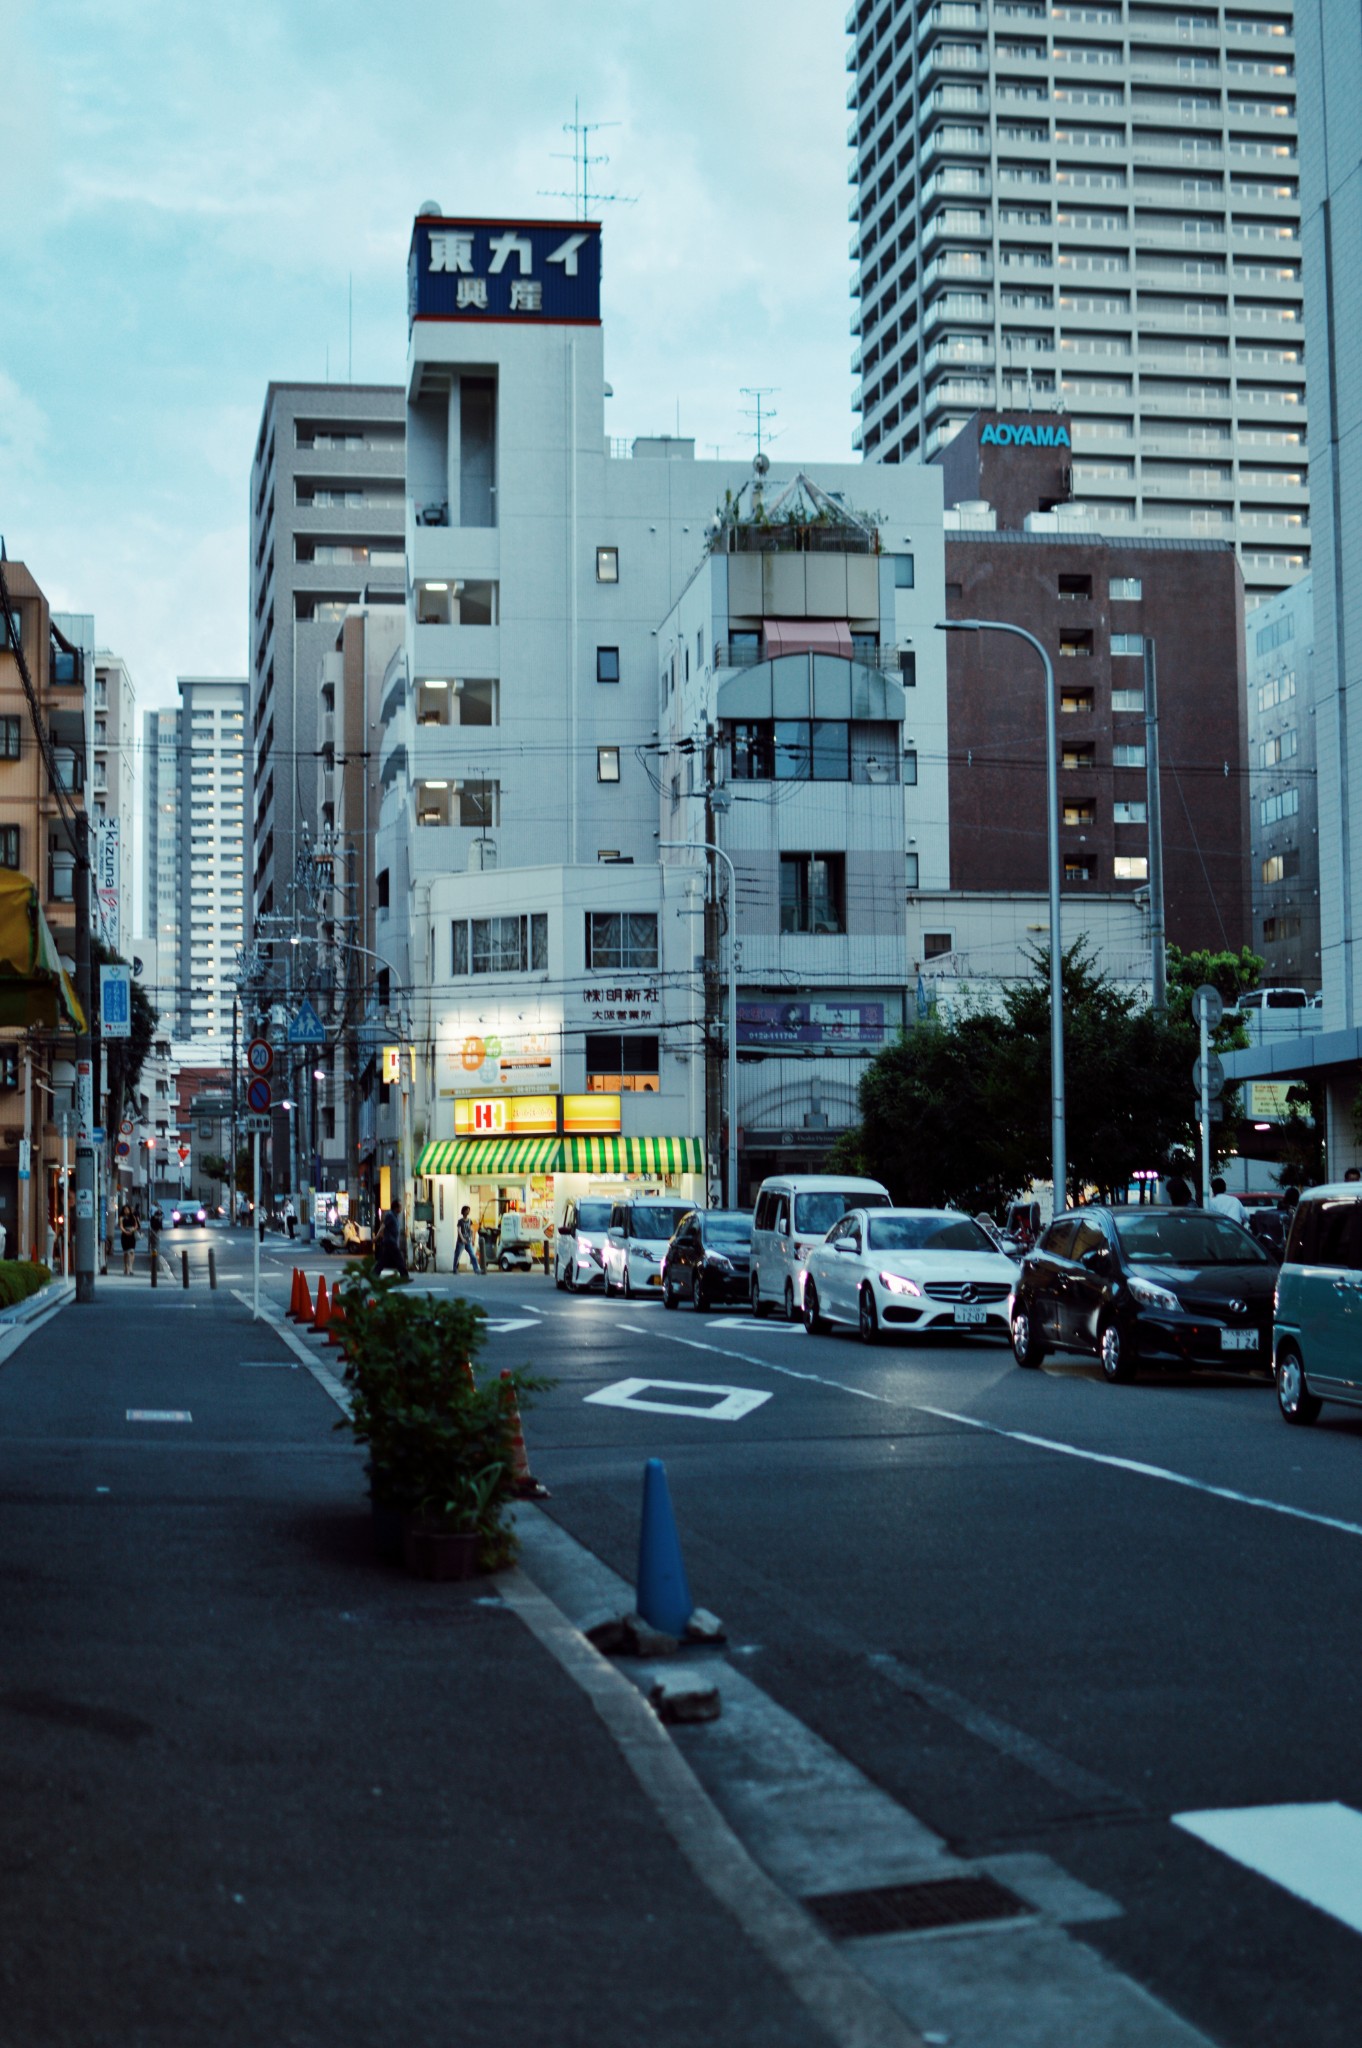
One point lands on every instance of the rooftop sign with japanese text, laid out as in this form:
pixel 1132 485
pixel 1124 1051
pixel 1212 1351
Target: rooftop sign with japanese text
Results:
pixel 535 271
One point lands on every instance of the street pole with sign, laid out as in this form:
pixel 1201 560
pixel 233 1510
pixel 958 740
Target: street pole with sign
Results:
pixel 1209 1008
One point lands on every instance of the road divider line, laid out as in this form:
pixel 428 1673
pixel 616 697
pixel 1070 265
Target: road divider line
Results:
pixel 1140 1470
pixel 1312 1851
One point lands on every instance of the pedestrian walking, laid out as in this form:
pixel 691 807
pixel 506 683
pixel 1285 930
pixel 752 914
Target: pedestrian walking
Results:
pixel 1227 1204
pixel 290 1217
pixel 127 1236
pixel 389 1253
pixel 465 1240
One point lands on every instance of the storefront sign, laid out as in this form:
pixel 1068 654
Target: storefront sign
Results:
pixel 528 271
pixel 392 1064
pixel 834 1026
pixel 618 1003
pixel 504 1116
pixel 507 1059
pixel 591 1113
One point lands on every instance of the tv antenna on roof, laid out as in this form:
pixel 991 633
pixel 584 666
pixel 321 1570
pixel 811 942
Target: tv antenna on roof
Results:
pixel 762 414
pixel 581 195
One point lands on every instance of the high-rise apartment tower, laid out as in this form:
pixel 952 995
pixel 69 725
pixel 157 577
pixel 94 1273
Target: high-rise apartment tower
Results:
pixel 1090 207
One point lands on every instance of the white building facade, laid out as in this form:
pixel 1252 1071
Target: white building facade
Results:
pixel 213 816
pixel 1095 209
pixel 548 725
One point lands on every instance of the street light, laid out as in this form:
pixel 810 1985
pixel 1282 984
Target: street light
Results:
pixel 708 846
pixel 1058 1160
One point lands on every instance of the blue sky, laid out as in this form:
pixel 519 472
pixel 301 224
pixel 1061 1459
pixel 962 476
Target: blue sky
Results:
pixel 187 189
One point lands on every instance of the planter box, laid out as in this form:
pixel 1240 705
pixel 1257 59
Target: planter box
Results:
pixel 439 1553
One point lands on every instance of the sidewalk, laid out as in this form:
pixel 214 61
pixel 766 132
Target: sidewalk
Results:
pixel 259 1788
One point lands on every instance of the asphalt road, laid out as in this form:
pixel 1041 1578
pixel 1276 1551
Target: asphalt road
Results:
pixel 1042 1612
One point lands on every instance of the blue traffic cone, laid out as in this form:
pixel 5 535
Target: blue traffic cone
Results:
pixel 664 1600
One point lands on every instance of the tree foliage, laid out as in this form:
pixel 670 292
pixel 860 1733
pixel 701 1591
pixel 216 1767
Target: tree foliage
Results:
pixel 960 1112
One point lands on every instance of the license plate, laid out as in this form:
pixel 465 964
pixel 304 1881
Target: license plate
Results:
pixel 968 1313
pixel 1238 1340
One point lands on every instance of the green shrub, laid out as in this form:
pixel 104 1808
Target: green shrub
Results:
pixel 19 1278
pixel 439 1442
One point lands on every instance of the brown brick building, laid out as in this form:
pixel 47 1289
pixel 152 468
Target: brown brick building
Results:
pixel 1093 601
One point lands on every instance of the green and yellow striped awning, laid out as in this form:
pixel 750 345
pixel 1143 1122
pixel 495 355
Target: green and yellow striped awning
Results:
pixel 479 1158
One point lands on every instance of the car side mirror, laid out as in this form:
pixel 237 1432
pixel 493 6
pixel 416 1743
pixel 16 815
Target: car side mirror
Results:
pixel 1098 1260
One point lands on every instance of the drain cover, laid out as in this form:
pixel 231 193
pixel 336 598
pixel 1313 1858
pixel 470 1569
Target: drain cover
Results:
pixel 912 1908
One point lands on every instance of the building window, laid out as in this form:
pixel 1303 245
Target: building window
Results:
pixel 908 668
pixel 1127 757
pixel 1129 814
pixel 1076 757
pixel 1127 643
pixel 911 876
pixel 618 1065
pixel 744 647
pixel 607 764
pixel 910 765
pixel 9 846
pixel 934 944
pixel 1127 700
pixel 1271 810
pixel 1078 814
pixel 1078 867
pixel 1076 588
pixel 479 804
pixel 1131 867
pixel 10 732
pixel 618 939
pixel 1075 646
pixel 500 945
pixel 903 572
pixel 813 893
pixel 607 664
pixel 1125 587
pixel 700 647
pixel 1075 702
pixel 607 565
pixel 9 1069
pixel 1275 929
pixel 459 959
pixel 383 889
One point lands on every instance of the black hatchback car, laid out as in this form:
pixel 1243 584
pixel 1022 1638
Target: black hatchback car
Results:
pixel 1174 1287
pixel 709 1259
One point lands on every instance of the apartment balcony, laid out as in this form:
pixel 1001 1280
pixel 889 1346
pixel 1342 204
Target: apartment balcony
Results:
pixel 958 356
pixel 952 307
pixel 958 393
pixel 957 267
pixel 955 183
pixel 945 142
pixel 945 227
pixel 1195 152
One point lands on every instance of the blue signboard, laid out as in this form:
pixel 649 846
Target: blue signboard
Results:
pixel 532 271
pixel 830 1025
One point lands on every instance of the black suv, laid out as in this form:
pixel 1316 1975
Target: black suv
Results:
pixel 709 1259
pixel 1180 1287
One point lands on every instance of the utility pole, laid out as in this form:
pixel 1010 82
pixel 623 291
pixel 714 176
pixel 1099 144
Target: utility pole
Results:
pixel 713 1096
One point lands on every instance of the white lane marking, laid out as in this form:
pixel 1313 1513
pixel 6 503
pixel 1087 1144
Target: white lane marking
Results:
pixel 786 1371
pixel 765 1324
pixel 1143 1471
pixel 732 1405
pixel 1312 1851
pixel 509 1323
pixel 159 1415
pixel 632 1328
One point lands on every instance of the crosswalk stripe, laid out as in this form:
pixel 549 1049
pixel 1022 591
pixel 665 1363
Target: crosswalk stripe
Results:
pixel 1313 1851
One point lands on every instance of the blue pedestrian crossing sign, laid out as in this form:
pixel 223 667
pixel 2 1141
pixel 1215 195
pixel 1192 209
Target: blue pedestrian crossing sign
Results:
pixel 305 1027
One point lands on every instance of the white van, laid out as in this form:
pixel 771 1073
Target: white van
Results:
pixel 795 1211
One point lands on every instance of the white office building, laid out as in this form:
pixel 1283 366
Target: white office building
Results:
pixel 576 611
pixel 1093 208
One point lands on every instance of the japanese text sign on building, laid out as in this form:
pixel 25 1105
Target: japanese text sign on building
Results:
pixel 115 1001
pixel 505 270
pixel 614 1003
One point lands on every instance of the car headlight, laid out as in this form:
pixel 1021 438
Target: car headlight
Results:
pixel 895 1283
pixel 1150 1296
pixel 717 1259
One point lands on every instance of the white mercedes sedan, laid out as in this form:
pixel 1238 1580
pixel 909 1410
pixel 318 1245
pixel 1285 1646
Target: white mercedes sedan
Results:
pixel 908 1269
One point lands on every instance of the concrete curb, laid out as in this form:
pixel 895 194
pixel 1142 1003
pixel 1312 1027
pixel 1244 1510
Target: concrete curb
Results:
pixel 50 1298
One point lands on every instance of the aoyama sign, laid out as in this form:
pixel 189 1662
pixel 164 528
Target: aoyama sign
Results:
pixel 1025 434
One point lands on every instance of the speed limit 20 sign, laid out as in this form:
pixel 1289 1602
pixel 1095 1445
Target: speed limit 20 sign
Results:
pixel 260 1056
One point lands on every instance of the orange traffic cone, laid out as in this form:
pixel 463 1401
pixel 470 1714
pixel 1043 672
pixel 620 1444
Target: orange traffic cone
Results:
pixel 302 1305
pixel 526 1485
pixel 336 1331
pixel 321 1316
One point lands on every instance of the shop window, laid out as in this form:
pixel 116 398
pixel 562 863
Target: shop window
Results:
pixel 607 565
pixel 622 1065
pixel 607 664
pixel 813 893
pixel 11 731
pixel 621 939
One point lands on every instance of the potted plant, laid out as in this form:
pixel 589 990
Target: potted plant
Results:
pixel 441 1462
